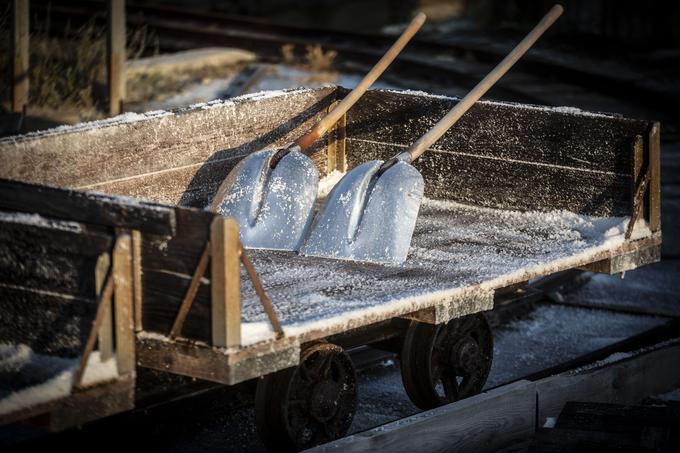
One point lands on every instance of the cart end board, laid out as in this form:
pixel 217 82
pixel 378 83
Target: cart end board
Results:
pixel 512 183
pixel 52 278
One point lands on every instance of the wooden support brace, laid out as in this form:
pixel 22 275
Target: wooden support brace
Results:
pixel 103 307
pixel 655 177
pixel 191 292
pixel 259 289
pixel 124 323
pixel 225 283
pixel 20 55
pixel 105 345
pixel 137 278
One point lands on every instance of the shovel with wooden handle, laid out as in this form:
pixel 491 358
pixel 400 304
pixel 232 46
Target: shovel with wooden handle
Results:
pixel 271 193
pixel 371 213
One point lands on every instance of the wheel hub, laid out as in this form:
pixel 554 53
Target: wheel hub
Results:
pixel 467 355
pixel 325 400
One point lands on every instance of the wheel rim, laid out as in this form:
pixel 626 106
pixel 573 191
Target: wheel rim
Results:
pixel 448 362
pixel 308 405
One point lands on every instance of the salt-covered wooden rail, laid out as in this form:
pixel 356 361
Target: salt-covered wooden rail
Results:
pixel 514 192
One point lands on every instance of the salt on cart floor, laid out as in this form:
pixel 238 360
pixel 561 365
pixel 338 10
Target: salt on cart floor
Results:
pixel 454 247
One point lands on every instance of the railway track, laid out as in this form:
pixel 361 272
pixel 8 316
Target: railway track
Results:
pixel 441 62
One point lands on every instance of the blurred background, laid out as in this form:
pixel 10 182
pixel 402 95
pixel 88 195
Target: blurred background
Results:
pixel 62 65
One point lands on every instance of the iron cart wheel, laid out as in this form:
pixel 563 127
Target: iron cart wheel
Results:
pixel 310 404
pixel 446 362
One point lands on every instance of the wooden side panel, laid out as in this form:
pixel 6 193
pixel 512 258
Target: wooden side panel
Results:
pixel 47 267
pixel 168 264
pixel 502 155
pixel 121 149
pixel 86 207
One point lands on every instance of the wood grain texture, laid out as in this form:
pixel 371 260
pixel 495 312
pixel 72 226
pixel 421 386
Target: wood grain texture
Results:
pixel 212 364
pixel 123 299
pixel 52 256
pixel 504 155
pixel 101 271
pixel 84 207
pixel 225 283
pixel 186 137
pixel 482 423
pixel 626 381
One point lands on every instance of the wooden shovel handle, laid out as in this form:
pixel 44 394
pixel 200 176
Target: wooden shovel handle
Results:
pixel 482 87
pixel 329 120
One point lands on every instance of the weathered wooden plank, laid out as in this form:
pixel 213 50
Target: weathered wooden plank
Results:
pixel 626 261
pixel 124 323
pixel 214 365
pixel 225 283
pixel 184 137
pixel 20 325
pixel 86 207
pixel 625 382
pixel 507 184
pixel 49 255
pixel 483 423
pixel 20 55
pixel 190 295
pixel 163 293
pixel 500 130
pixel 137 277
pixel 102 269
pixel 655 183
pixel 82 406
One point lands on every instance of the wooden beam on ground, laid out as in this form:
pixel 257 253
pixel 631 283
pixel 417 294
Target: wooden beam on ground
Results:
pixel 225 283
pixel 20 60
pixel 507 416
pixel 124 323
pixel 116 55
pixel 483 423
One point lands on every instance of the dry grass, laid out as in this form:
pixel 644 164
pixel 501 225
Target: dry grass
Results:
pixel 315 59
pixel 69 71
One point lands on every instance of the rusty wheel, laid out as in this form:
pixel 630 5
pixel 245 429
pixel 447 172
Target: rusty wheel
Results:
pixel 447 362
pixel 310 404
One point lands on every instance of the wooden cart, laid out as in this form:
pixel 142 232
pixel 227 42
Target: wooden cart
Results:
pixel 514 192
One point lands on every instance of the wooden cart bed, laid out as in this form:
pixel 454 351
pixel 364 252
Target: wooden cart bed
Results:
pixel 514 192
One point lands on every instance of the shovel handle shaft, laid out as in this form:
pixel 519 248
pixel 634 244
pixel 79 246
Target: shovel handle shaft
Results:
pixel 329 120
pixel 482 87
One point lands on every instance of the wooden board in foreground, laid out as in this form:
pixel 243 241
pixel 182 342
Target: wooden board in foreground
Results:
pixel 509 414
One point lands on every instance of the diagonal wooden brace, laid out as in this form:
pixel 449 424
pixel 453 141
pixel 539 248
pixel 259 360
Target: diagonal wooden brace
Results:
pixel 638 202
pixel 226 252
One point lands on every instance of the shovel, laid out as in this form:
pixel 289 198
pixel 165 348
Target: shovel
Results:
pixel 371 213
pixel 271 193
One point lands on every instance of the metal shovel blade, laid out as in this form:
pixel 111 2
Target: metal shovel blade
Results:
pixel 273 207
pixel 369 217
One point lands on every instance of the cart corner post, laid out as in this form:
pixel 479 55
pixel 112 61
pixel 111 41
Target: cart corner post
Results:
pixel 225 283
